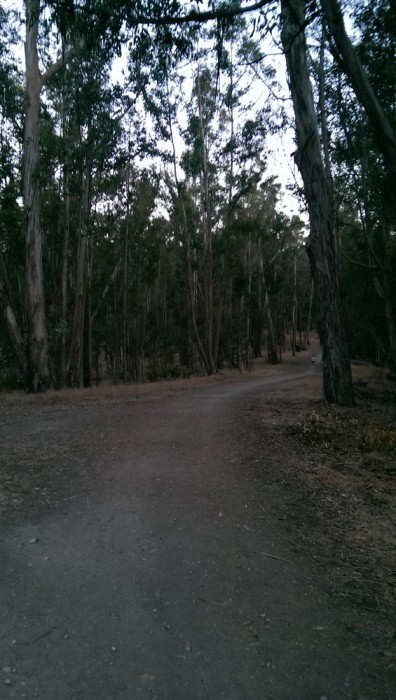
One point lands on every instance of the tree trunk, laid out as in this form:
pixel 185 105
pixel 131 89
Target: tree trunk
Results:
pixel 271 344
pixel 179 204
pixel 219 313
pixel 294 310
pixel 37 371
pixel 207 242
pixel 75 363
pixel 12 324
pixel 337 377
pixel 88 330
pixel 65 248
pixel 125 285
pixel 191 295
pixel 116 271
pixel 38 376
pixel 309 316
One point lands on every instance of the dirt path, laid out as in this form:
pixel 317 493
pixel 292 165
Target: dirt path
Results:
pixel 139 559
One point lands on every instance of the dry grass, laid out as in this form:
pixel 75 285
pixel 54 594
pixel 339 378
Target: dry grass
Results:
pixel 108 392
pixel 352 483
pixel 337 471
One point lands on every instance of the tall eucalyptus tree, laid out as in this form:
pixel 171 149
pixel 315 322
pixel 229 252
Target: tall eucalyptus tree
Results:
pixel 337 378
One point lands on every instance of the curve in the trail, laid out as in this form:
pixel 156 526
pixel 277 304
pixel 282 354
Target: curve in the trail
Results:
pixel 163 580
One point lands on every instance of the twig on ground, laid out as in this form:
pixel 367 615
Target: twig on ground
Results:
pixel 290 542
pixel 272 556
pixel 37 639
pixel 204 684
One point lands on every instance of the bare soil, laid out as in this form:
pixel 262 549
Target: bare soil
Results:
pixel 224 537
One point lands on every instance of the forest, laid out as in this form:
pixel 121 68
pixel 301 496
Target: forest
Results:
pixel 142 234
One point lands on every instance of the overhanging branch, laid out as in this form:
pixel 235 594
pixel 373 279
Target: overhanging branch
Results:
pixel 193 16
pixel 62 61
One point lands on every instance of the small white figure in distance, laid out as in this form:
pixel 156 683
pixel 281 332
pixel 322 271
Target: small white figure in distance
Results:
pixel 313 359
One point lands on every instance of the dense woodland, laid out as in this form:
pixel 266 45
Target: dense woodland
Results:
pixel 141 232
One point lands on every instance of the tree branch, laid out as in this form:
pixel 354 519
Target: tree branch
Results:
pixel 62 61
pixel 357 262
pixel 194 16
pixel 345 54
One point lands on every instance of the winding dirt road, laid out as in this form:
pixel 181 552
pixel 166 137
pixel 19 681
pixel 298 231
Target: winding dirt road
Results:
pixel 147 568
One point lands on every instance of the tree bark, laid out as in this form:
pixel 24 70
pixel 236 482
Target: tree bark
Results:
pixel 337 377
pixel 38 376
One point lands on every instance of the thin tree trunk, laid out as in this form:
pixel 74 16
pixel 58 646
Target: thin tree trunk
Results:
pixel 88 324
pixel 207 241
pixel 65 269
pixel 248 271
pixel 75 362
pixel 294 310
pixel 219 313
pixel 271 343
pixel 309 317
pixel 116 271
pixel 12 324
pixel 337 377
pixel 190 276
pixel 116 346
pixel 178 199
pixel 65 250
pixel 125 289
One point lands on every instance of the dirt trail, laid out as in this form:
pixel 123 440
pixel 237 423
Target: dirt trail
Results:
pixel 139 561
